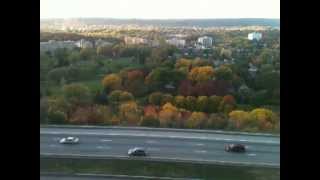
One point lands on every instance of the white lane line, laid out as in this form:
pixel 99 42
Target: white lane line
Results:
pixel 200 151
pixel 251 154
pixel 103 147
pixel 199 144
pixel 151 142
pixel 106 140
pixel 243 140
pixel 161 136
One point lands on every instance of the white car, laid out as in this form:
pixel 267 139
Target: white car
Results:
pixel 69 140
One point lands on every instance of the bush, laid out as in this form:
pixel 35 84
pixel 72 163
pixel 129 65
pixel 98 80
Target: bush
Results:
pixel 77 94
pixel 56 117
pixel 196 120
pixel 149 121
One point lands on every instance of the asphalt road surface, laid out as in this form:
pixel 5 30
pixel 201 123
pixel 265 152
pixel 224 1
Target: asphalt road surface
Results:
pixel 190 146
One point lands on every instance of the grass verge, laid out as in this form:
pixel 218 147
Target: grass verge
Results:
pixel 159 169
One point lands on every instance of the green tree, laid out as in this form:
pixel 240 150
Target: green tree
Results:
pixel 77 94
pixel 202 104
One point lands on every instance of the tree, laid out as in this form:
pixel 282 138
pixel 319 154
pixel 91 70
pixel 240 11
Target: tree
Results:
pixel 201 74
pixel 223 73
pixel 191 103
pixel 227 104
pixel 126 96
pixel 196 120
pixel 180 101
pixel 225 53
pixel 214 103
pixel 183 63
pixel 202 104
pixel 265 118
pixel 112 82
pixel 166 98
pixel 87 53
pixel 239 119
pixel 129 113
pixel 169 115
pixel 76 94
pixel 216 121
pixel 155 98
pixel 91 115
pixel 134 82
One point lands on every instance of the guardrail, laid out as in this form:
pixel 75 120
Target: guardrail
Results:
pixel 161 129
pixel 153 159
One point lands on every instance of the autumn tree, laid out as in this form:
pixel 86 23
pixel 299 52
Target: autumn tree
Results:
pixel 91 115
pixel 265 118
pixel 169 115
pixel 129 113
pixel 223 73
pixel 180 101
pixel 202 104
pixel 166 98
pixel 214 103
pixel 191 103
pixel 239 118
pixel 201 74
pixel 216 121
pixel 196 120
pixel 227 104
pixel 112 82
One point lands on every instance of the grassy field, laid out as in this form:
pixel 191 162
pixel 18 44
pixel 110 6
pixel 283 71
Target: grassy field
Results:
pixel 160 169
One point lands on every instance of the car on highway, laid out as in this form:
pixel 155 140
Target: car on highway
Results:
pixel 137 151
pixel 235 148
pixel 69 140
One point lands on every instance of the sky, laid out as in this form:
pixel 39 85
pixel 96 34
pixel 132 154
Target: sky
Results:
pixel 160 9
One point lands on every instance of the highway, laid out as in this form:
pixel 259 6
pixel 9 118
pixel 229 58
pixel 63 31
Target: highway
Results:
pixel 162 145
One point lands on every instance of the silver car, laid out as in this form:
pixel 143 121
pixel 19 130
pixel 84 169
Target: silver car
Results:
pixel 137 151
pixel 69 140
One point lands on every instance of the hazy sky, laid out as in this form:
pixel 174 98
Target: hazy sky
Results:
pixel 160 9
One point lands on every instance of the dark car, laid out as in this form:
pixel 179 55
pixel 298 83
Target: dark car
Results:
pixel 235 148
pixel 137 152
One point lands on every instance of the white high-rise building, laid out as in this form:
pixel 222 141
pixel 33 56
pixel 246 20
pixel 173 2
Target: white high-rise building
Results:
pixel 204 42
pixel 254 36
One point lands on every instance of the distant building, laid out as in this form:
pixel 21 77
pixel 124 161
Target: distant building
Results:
pixel 101 43
pixel 135 40
pixel 53 45
pixel 204 42
pixel 177 42
pixel 254 36
pixel 84 44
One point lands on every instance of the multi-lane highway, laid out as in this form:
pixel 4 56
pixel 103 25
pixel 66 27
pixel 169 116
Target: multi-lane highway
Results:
pixel 188 146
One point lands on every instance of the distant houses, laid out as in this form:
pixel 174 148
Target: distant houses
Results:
pixel 135 40
pixel 53 45
pixel 180 43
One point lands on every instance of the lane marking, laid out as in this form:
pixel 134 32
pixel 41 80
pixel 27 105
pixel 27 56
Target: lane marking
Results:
pixel 251 154
pixel 243 140
pixel 105 140
pixel 151 142
pixel 103 147
pixel 200 151
pixel 199 144
pixel 161 136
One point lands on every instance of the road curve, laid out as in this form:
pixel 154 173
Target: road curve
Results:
pixel 174 146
